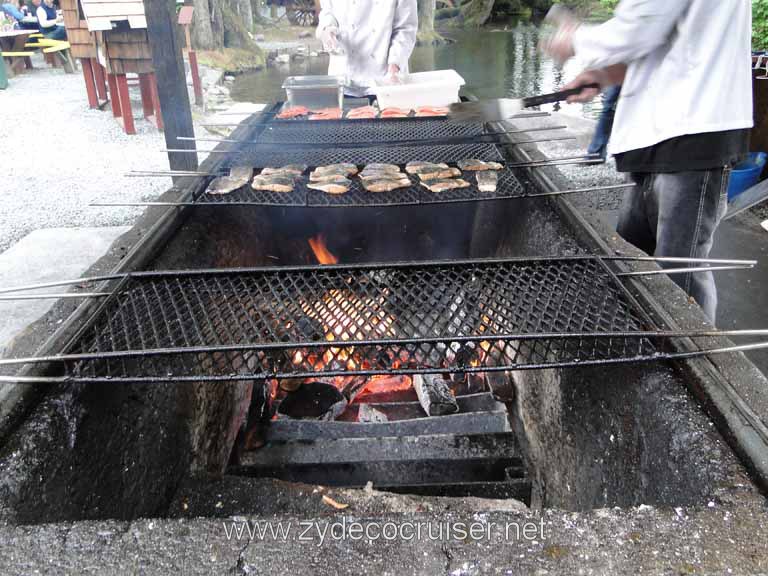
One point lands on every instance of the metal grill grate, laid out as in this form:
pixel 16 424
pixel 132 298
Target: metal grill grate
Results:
pixel 261 157
pixel 461 316
pixel 509 186
pixel 357 131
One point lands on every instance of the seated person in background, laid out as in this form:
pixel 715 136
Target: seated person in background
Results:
pixel 17 13
pixel 47 20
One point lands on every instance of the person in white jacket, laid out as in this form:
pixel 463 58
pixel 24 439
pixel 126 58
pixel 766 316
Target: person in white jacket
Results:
pixel 682 120
pixel 370 41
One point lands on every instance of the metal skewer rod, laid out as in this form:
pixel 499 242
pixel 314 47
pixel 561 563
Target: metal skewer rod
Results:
pixel 693 334
pixel 85 280
pixel 565 160
pixel 579 190
pixel 696 269
pixel 681 260
pixel 671 356
pixel 148 173
pixel 468 140
pixel 448 139
pixel 682 270
pixel 93 279
pixel 26 296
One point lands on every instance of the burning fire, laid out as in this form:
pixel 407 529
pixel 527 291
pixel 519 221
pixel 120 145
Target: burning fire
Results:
pixel 321 252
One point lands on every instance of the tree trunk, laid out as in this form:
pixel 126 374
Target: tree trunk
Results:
pixel 243 12
pixel 476 12
pixel 426 33
pixel 203 37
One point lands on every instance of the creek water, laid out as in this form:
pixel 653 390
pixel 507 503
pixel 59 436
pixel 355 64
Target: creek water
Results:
pixel 495 62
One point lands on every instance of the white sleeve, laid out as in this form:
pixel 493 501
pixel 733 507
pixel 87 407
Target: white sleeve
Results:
pixel 637 28
pixel 42 18
pixel 326 17
pixel 404 29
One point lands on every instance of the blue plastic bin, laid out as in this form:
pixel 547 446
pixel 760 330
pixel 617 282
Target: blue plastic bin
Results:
pixel 746 174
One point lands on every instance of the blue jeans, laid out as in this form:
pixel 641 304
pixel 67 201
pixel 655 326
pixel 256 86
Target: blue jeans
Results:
pixel 599 144
pixel 58 33
pixel 676 214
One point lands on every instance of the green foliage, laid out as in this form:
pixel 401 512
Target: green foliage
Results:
pixel 760 24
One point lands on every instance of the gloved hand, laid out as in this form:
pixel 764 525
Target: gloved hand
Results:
pixel 330 39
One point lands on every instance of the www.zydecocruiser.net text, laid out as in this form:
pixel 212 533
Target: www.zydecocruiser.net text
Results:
pixel 345 529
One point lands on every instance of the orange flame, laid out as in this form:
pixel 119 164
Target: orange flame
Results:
pixel 321 251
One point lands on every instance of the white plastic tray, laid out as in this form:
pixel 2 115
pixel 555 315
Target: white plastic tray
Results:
pixel 436 88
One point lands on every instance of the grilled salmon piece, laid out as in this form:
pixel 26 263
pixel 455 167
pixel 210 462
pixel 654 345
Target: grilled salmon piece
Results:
pixel 443 185
pixel 293 112
pixel 273 183
pixel 475 165
pixel 487 180
pixel 338 186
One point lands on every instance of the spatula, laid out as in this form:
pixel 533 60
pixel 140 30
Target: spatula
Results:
pixel 503 108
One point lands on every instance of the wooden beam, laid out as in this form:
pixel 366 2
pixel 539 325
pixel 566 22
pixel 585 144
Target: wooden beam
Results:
pixel 90 82
pixel 125 104
pixel 171 82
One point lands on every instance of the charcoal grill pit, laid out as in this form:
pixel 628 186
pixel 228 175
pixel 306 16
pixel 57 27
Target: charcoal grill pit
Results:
pixel 576 438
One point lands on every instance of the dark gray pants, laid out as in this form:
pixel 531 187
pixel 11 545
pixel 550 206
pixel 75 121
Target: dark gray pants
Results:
pixel 676 214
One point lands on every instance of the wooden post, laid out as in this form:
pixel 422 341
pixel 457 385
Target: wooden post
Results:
pixel 156 102
pixel 147 100
pixel 114 97
pixel 171 82
pixel 98 74
pixel 185 20
pixel 90 84
pixel 125 104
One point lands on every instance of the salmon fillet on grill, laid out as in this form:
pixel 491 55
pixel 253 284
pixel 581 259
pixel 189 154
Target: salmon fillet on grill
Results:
pixel 475 165
pixel 241 172
pixel 387 184
pixel 443 185
pixel 377 167
pixel 345 168
pixel 487 180
pixel 338 186
pixel 362 113
pixel 225 185
pixel 395 113
pixel 293 112
pixel 418 167
pixel 295 169
pixel 439 174
pixel 273 183
pixel 367 176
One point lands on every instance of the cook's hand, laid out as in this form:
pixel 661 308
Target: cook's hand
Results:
pixel 393 74
pixel 610 76
pixel 330 39
pixel 588 94
pixel 558 44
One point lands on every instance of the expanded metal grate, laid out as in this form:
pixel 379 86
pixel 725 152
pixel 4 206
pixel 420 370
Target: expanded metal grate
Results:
pixel 261 156
pixel 469 316
pixel 509 186
pixel 359 131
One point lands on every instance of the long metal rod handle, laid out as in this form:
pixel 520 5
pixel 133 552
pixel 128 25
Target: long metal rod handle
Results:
pixel 571 364
pixel 54 296
pixel 683 270
pixel 382 342
pixel 693 270
pixel 448 139
pixel 103 278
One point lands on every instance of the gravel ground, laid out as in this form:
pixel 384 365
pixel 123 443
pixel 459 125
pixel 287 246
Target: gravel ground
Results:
pixel 66 156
